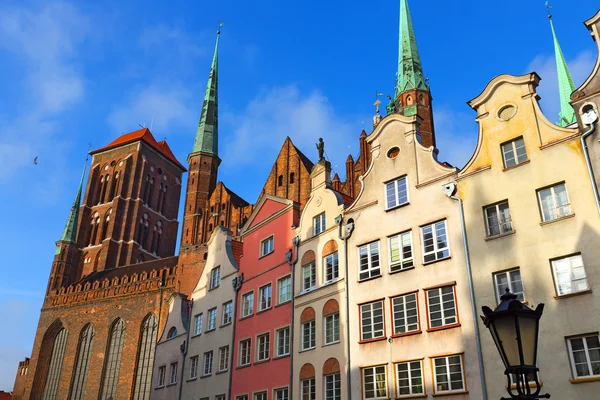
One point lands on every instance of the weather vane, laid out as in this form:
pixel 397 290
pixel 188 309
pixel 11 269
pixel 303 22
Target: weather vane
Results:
pixel 548 6
pixel 377 102
pixel 219 29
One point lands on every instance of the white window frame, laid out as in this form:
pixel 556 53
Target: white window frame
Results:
pixel 447 363
pixel 377 331
pixel 287 278
pixel 281 394
pixel 193 367
pixel 215 278
pixel 263 345
pixel 319 224
pixel 364 385
pixel 570 259
pixel 223 359
pixel 513 147
pixel 554 207
pixel 436 248
pixel 198 325
pixel 162 373
pixel 499 292
pixel 371 270
pixel 442 310
pixel 336 389
pixel 312 388
pixel 412 375
pixel 403 262
pixel 312 336
pixel 334 325
pixel 286 342
pixel 504 226
pixel 247 311
pixel 586 350
pixel 402 301
pixel 220 397
pixel 260 396
pixel 396 183
pixel 207 363
pixel 212 320
pixel 312 277
pixel 267 245
pixel 333 266
pixel 227 311
pixel 261 292
pixel 173 373
pixel 245 352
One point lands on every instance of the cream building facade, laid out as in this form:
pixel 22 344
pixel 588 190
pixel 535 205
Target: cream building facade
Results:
pixel 411 321
pixel 319 362
pixel 533 227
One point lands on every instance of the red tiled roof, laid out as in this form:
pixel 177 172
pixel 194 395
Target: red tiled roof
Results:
pixel 238 249
pixel 146 136
pixel 347 199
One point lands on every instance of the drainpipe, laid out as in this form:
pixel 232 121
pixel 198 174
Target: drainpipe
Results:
pixel 450 190
pixel 288 257
pixel 590 118
pixel 237 285
pixel 349 229
pixel 184 345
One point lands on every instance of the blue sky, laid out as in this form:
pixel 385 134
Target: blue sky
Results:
pixel 74 73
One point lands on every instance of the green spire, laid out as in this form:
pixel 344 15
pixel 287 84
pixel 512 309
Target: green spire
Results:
pixel 207 135
pixel 410 73
pixel 565 83
pixel 70 232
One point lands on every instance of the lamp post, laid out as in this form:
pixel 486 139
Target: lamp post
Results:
pixel 515 328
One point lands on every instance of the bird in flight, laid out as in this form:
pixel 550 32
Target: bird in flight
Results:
pixel 35 160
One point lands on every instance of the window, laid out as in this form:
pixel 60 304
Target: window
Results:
pixel 198 324
pixel 208 360
pixel 511 280
pixel 368 256
pixel 441 307
pixel 220 397
pixel 513 152
pixel 260 396
pixel 283 342
pixel 554 202
pixel 401 254
pixel 405 313
pixel 333 387
pixel 244 352
pixel 173 374
pixel 193 367
pixel 86 339
pixel 309 276
pixel 212 319
pixel 223 358
pixel 215 278
pixel 332 328
pixel 110 375
pixel 435 242
pixel 265 297
pixel 331 267
pixel 308 390
pixel 227 313
pixel 569 275
pixel 266 246
pixel 247 304
pixel 497 219
pixel 371 320
pixel 319 224
pixel 448 374
pixel 172 333
pixel 242 397
pixel 145 363
pixel 161 376
pixel 282 394
pixel 396 193
pixel 308 335
pixel 410 378
pixel 262 348
pixel 55 363
pixel 284 287
pixel 374 382
pixel 584 353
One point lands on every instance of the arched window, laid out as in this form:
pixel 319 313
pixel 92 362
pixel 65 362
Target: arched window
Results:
pixel 164 200
pixel 143 231
pixel 110 375
pixel 160 197
pixel 55 366
pixel 86 339
pixel 172 333
pixel 280 180
pixel 146 187
pixel 99 192
pixel 106 223
pixel 150 191
pixel 156 234
pixel 94 225
pixel 104 187
pixel 409 100
pixel 96 261
pixel 114 186
pixel 292 177
pixel 421 99
pixel 143 373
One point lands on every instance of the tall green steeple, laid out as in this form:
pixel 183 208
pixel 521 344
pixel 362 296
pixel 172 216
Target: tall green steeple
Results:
pixel 70 232
pixel 565 83
pixel 410 73
pixel 207 135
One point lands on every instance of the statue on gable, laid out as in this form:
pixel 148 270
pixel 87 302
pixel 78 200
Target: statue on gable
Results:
pixel 392 106
pixel 321 149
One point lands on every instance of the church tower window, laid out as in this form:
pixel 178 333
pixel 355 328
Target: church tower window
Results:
pixel 110 375
pixel 143 375
pixel 82 362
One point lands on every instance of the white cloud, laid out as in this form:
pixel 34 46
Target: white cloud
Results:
pixel 545 66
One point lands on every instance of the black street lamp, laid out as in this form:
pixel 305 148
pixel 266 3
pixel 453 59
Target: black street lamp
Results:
pixel 515 328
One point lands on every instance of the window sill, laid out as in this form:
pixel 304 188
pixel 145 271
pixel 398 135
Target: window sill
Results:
pixel 399 335
pixel 442 328
pixel 307 291
pixel 210 330
pixel 369 279
pixel 305 350
pixel 557 219
pixel 565 296
pixel 379 339
pixel 330 344
pixel 205 376
pixel 159 387
pixel 243 366
pixel 435 261
pixel 213 288
pixel 247 316
pixel 191 379
pixel 221 372
pixel 281 356
pixel 516 166
pixel 264 310
pixel 414 396
pixel 402 270
pixel 224 325
pixel 585 380
pixel 450 394
pixel 331 282
pixel 283 303
pixel 170 384
pixel 195 336
pixel 500 235
pixel 261 361
pixel 398 206
pixel 264 255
